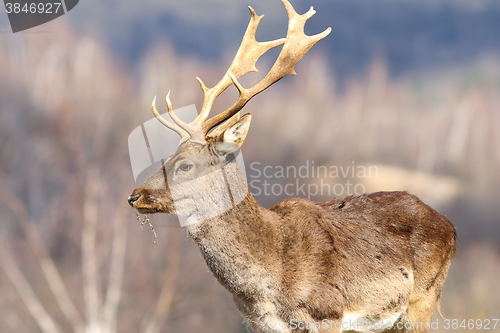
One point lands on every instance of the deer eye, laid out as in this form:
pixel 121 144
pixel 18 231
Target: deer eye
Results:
pixel 185 167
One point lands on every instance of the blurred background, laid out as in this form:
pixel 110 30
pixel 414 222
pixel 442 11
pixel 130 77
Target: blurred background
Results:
pixel 410 87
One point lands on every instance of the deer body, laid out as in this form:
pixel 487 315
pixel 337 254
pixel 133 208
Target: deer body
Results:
pixel 365 260
pixel 359 263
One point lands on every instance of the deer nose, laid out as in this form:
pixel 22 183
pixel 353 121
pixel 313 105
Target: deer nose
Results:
pixel 132 199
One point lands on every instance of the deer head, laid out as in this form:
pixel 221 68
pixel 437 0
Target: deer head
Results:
pixel 208 145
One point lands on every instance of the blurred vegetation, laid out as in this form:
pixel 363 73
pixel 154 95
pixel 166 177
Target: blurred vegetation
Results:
pixel 411 35
pixel 73 257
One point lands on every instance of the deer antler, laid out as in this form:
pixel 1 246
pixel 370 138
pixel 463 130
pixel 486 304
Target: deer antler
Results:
pixel 295 46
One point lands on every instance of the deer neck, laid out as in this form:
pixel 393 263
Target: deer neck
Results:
pixel 240 244
pixel 245 218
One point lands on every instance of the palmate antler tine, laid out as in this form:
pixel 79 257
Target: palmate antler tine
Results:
pixel 296 45
pixel 249 52
pixel 174 127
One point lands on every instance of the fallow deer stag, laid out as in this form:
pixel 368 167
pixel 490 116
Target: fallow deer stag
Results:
pixel 360 263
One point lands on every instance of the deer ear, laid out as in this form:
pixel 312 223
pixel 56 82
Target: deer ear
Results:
pixel 234 136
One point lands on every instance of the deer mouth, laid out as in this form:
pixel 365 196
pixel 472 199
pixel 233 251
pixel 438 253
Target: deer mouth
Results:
pixel 146 204
pixel 135 202
pixel 147 210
